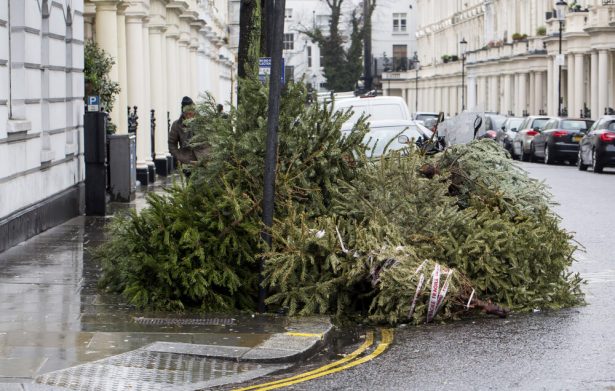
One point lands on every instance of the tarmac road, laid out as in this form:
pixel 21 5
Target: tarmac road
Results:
pixel 571 349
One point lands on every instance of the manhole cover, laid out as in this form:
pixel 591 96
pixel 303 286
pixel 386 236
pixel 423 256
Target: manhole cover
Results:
pixel 185 322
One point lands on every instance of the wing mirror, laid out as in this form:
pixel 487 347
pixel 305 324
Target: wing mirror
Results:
pixel 514 130
pixel 403 139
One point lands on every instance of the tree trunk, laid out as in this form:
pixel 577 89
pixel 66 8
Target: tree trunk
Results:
pixel 249 29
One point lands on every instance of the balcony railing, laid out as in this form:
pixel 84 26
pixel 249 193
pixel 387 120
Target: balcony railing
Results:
pixel 393 64
pixel 608 2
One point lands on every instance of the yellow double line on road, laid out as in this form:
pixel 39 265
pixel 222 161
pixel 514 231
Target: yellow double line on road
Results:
pixel 347 362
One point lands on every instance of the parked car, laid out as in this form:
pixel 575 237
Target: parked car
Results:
pixel 597 147
pixel 384 135
pixel 377 107
pixel 493 122
pixel 507 132
pixel 425 118
pixel 559 140
pixel 526 132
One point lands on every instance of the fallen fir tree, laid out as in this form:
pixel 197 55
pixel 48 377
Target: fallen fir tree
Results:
pixel 409 237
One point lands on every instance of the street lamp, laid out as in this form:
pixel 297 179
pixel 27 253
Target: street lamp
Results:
pixel 417 64
pixel 463 45
pixel 561 7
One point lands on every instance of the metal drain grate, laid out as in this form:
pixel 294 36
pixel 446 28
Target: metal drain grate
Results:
pixel 145 370
pixel 185 322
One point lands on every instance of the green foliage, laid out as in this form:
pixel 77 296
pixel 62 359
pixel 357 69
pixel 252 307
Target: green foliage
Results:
pixel 480 216
pixel 198 245
pixel 97 65
pixel 352 236
pixel 342 64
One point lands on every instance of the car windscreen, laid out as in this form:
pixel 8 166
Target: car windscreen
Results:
pixel 496 121
pixel 574 125
pixel 611 126
pixel 539 123
pixel 514 123
pixel 423 117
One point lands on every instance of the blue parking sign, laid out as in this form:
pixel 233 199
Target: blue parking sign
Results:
pixel 94 103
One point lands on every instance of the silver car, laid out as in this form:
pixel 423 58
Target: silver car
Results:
pixel 529 128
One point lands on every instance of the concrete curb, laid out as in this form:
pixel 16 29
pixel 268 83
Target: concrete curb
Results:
pixel 302 338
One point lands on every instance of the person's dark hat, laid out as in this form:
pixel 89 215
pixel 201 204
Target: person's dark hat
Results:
pixel 186 101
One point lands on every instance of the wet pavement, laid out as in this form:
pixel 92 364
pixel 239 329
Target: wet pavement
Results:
pixel 53 317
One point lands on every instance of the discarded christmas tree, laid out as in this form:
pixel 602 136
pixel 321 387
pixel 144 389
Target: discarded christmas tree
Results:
pixel 410 237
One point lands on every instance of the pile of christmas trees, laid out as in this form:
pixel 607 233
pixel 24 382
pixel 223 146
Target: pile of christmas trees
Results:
pixel 410 237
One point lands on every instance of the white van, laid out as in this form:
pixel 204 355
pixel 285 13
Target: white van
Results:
pixel 378 108
pixel 384 135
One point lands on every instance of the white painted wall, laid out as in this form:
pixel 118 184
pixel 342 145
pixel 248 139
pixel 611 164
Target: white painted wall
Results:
pixel 41 114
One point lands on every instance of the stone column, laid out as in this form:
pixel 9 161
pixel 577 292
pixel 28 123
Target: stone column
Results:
pixel 603 74
pixel 522 93
pixel 184 65
pixel 158 87
pixel 194 84
pixel 532 95
pixel 508 94
pixel 106 26
pixel 122 127
pixel 494 95
pixel 579 87
pixel 538 93
pixel 147 101
pixel 595 107
pixel 570 90
pixel 136 89
pixel 471 95
pixel 480 93
pixel 173 80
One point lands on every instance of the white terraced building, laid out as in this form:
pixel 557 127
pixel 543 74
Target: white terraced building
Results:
pixel 512 54
pixel 163 50
pixel 41 115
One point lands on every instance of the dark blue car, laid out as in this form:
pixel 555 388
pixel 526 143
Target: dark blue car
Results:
pixel 597 147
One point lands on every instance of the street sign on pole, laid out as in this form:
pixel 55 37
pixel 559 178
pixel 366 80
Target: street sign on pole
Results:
pixel 264 69
pixel 560 60
pixel 93 103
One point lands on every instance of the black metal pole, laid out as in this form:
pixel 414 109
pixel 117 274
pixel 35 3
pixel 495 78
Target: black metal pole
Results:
pixel 559 82
pixel 463 83
pixel 272 136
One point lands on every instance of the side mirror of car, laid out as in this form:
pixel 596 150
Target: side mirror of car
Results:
pixel 514 130
pixel 403 139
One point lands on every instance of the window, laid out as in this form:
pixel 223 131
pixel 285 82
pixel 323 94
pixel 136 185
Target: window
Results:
pixel 400 58
pixel 288 13
pixel 289 73
pixel 289 41
pixel 309 54
pixel 399 23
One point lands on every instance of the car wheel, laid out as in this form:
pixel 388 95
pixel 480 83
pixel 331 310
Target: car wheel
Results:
pixel 524 156
pixel 580 165
pixel 549 156
pixel 596 166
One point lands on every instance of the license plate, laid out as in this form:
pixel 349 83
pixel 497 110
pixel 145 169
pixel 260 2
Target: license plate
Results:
pixel 576 139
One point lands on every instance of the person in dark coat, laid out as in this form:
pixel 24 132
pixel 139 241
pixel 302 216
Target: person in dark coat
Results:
pixel 180 135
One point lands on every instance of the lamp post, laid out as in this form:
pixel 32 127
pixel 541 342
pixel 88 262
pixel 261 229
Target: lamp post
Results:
pixel 417 64
pixel 463 45
pixel 561 7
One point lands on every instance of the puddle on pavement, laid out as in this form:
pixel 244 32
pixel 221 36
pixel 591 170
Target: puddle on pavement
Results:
pixel 53 316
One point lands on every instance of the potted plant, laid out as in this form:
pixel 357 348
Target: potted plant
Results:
pixel 446 58
pixel 541 31
pixel 454 57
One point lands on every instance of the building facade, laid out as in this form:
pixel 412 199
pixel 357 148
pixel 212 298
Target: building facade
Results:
pixel 512 62
pixel 163 50
pixel 393 36
pixel 41 115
